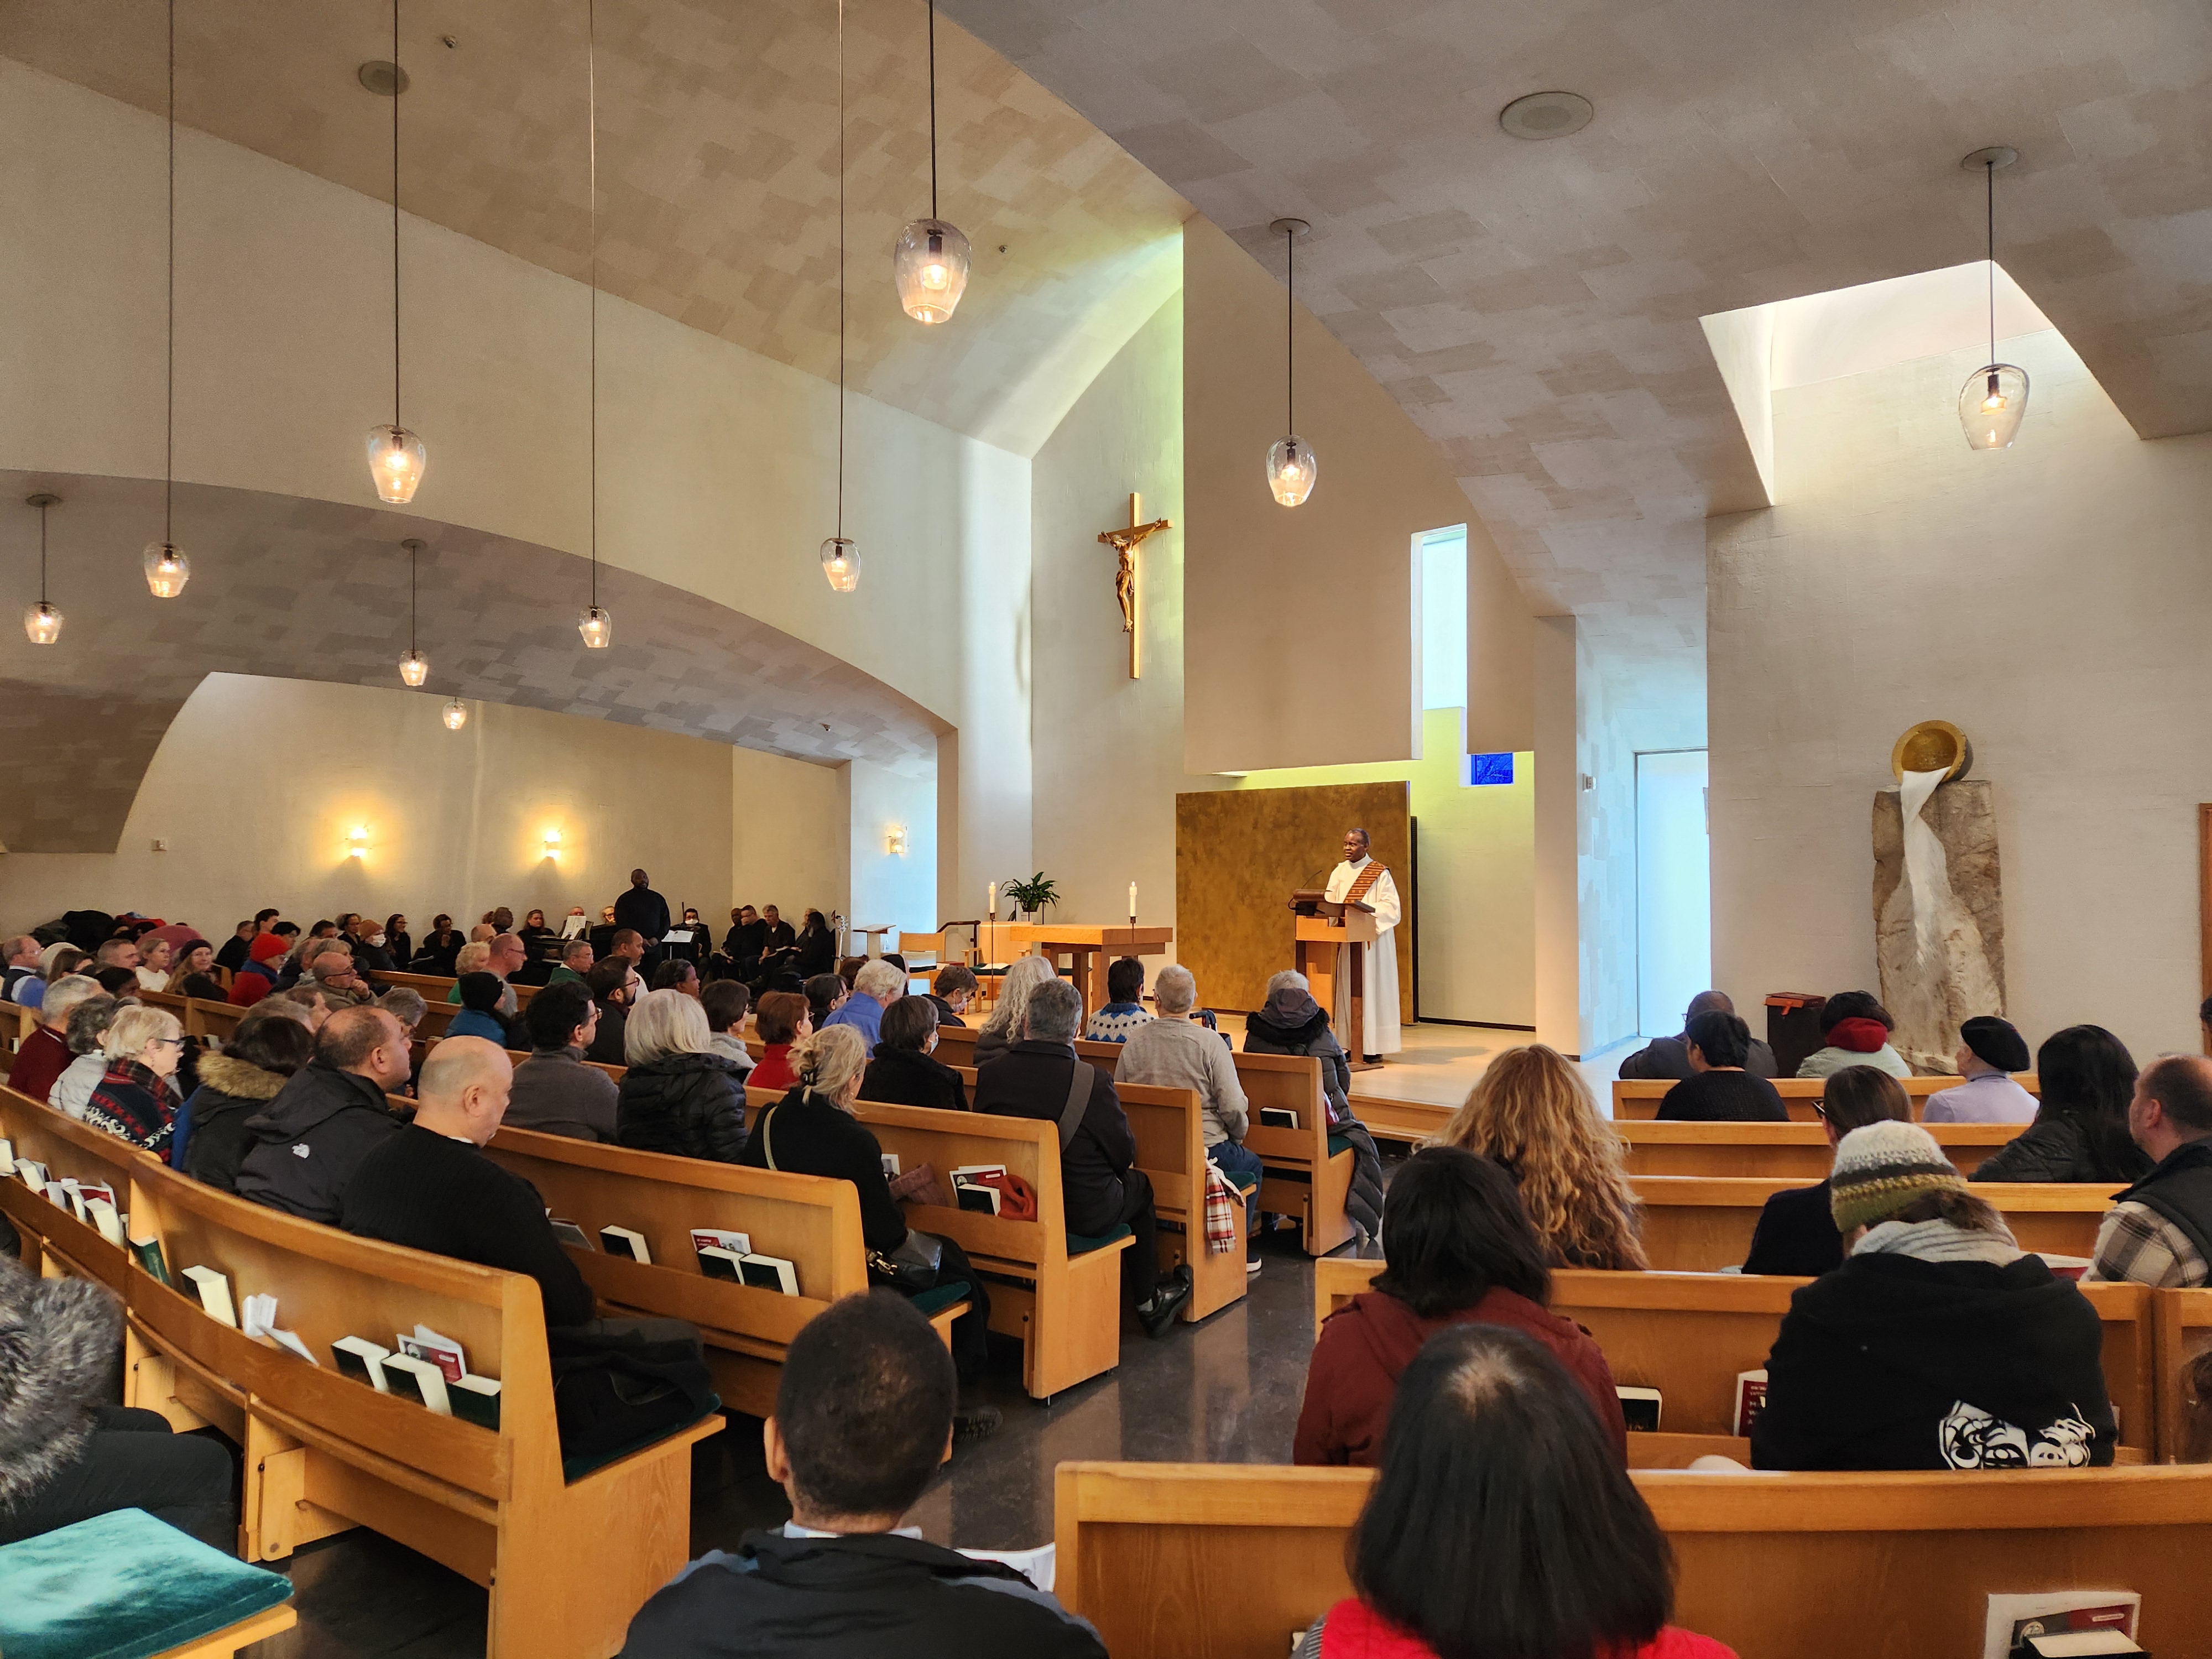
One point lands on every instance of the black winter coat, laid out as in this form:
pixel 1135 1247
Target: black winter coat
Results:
pixel 230 1093
pixel 814 1137
pixel 692 1105
pixel 907 1077
pixel 1032 1079
pixel 1893 1363
pixel 59 1342
pixel 2056 1149
pixel 1670 1057
pixel 1313 1036
pixel 337 1117
pixel 1796 1235
pixel 858 1597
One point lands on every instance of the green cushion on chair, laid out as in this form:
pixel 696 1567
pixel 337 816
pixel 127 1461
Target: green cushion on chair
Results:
pixel 573 1469
pixel 122 1586
pixel 1339 1144
pixel 1079 1244
pixel 933 1303
pixel 1243 1180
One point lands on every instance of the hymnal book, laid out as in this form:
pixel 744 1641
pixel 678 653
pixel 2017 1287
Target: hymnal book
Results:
pixel 721 1238
pixel 770 1273
pixel 58 1196
pixel 973 1194
pixel 978 1170
pixel 621 1240
pixel 418 1379
pixel 891 1166
pixel 573 927
pixel 148 1252
pixel 86 1191
pixel 214 1294
pixel 2066 1267
pixel 31 1174
pixel 362 1360
pixel 1277 1117
pixel 570 1233
pixel 441 1350
pixel 2058 1622
pixel 678 936
pixel 1750 1398
pixel 716 1263
pixel 1641 1408
pixel 73 1198
pixel 7 1156
pixel 261 1325
pixel 475 1400
pixel 103 1216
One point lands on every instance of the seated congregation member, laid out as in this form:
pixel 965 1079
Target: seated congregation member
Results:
pixel 2159 1231
pixel 575 963
pixel 825 994
pixel 1938 1343
pixel 64 1456
pixel 265 1052
pixel 864 1415
pixel 136 1099
pixel 742 944
pixel 678 1095
pixel 57 961
pixel 1990 1051
pixel 1174 1052
pixel 676 974
pixel 479 1016
pixel 1461 1252
pixel 815 950
pixel 369 944
pixel 902 1073
pixel 1719 1090
pixel 87 1038
pixel 724 1003
pixel 258 979
pixel 1123 1011
pixel 20 956
pixel 1100 1183
pixel 1796 1235
pixel 428 1185
pixel 119 982
pixel 1291 1022
pixel 45 1054
pixel 616 987
pixel 812 1131
pixel 397 944
pixel 194 973
pixel 1531 1114
pixel 1855 1030
pixel 1670 1056
pixel 337 976
pixel 553 1093
pixel 954 989
pixel 533 928
pixel 876 986
pixel 305 1144
pixel 1502 1522
pixel 156 961
pixel 405 1004
pixel 1003 1029
pixel 503 957
pixel 784 1017
pixel 2081 1128
pixel 439 948
pixel 230 957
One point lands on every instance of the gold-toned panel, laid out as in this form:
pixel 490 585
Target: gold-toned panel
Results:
pixel 1239 852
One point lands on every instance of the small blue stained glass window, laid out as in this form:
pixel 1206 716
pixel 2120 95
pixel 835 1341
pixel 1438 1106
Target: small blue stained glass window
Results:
pixel 1489 768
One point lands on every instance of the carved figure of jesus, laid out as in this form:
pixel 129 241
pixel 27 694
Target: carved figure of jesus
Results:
pixel 1125 543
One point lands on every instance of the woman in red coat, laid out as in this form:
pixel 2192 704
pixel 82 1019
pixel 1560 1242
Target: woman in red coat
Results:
pixel 1502 1522
pixel 1461 1252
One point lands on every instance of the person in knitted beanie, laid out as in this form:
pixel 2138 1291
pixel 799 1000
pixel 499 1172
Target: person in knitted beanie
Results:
pixel 1938 1343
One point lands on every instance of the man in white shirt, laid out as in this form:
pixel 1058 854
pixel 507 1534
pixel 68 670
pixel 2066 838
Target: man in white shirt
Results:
pixel 1990 1051
pixel 1359 878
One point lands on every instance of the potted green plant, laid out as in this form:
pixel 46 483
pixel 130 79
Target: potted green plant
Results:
pixel 1033 894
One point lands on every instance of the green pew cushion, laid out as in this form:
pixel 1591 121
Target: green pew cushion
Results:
pixel 1082 1244
pixel 932 1303
pixel 573 1469
pixel 1243 1180
pixel 149 1587
pixel 1339 1144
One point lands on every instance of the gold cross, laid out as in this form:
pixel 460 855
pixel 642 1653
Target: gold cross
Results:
pixel 1125 544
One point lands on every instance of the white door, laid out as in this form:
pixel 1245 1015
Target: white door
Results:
pixel 1674 888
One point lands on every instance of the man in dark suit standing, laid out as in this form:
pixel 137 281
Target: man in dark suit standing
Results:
pixel 647 912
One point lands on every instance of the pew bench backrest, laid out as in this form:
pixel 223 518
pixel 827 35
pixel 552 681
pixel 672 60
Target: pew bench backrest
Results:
pixel 1639 1097
pixel 1779 1152
pixel 54 1240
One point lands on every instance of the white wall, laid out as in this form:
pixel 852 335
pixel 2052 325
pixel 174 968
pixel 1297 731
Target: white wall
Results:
pixel 2051 601
pixel 259 782
pixel 891 889
pixel 789 843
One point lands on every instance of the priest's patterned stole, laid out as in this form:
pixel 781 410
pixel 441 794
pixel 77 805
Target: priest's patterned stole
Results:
pixel 1363 881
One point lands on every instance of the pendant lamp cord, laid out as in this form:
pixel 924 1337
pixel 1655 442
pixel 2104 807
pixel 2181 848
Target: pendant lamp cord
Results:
pixel 410 602
pixel 1289 345
pixel 395 212
pixel 933 108
pixel 42 555
pixel 1990 173
pixel 169 453
pixel 591 87
pixel 841 245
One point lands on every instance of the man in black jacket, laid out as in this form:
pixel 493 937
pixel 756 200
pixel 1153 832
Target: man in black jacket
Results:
pixel 1101 1188
pixel 646 912
pixel 2160 1230
pixel 863 1419
pixel 1670 1057
pixel 309 1140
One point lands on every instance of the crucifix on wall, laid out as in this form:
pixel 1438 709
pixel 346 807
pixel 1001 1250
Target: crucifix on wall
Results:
pixel 1125 543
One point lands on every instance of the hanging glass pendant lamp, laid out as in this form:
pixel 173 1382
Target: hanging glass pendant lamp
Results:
pixel 167 570
pixel 396 456
pixel 930 263
pixel 841 559
pixel 1290 465
pixel 455 714
pixel 42 622
pixel 596 626
pixel 412 669
pixel 1995 398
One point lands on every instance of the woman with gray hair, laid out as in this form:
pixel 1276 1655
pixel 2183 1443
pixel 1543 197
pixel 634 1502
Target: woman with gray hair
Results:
pixel 88 1029
pixel 1292 1022
pixel 678 1095
pixel 136 1098
pixel 1003 1027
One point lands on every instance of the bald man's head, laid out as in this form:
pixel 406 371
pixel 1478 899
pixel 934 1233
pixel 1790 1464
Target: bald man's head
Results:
pixel 367 1041
pixel 2173 1104
pixel 463 1089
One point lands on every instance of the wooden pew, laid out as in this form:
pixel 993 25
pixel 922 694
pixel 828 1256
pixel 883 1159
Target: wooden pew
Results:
pixel 811 1222
pixel 1688 1335
pixel 2184 1321
pixel 1640 1096
pixel 1780 1152
pixel 54 1242
pixel 568 1562
pixel 435 990
pixel 1409 1122
pixel 1065 1309
pixel 1226 1561
pixel 1169 1128
pixel 1699 1224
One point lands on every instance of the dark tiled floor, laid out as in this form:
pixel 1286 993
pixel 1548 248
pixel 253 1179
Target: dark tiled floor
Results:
pixel 1225 1391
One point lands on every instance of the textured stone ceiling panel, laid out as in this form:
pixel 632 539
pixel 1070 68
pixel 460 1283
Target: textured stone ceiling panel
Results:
pixel 1535 307
pixel 318 591
pixel 718 182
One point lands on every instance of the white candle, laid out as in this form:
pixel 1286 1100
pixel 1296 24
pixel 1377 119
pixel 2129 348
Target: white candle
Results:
pixel 995 905
pixel 1132 901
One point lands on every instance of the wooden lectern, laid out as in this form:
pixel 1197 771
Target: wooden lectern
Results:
pixel 1321 937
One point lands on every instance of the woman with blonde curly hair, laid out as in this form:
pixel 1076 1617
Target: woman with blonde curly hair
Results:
pixel 1003 1027
pixel 1532 1112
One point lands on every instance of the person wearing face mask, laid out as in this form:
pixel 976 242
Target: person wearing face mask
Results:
pixel 369 943
pixel 903 1072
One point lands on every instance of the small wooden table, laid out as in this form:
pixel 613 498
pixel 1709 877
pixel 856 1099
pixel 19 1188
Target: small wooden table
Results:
pixel 1090 948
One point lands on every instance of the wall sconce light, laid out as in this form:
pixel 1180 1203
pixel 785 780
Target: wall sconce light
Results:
pixel 552 843
pixel 357 841
pixel 895 843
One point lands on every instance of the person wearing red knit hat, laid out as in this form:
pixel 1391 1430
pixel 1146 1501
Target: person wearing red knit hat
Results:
pixel 258 977
pixel 1855 1030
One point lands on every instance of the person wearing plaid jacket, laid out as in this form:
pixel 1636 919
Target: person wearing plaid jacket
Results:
pixel 2159 1231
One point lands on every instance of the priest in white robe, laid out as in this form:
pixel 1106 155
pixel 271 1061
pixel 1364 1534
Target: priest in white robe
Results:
pixel 1359 876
